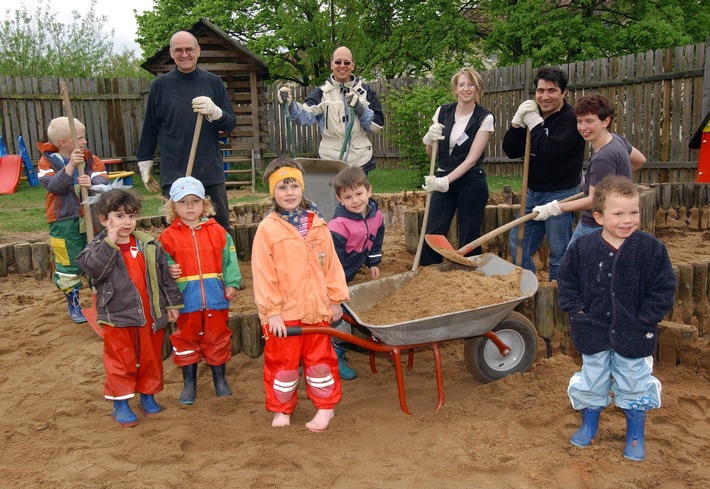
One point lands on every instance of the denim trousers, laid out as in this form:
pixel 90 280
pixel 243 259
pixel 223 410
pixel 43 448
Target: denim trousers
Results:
pixel 558 230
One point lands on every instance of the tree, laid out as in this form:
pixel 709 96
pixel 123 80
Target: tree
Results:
pixel 553 32
pixel 36 44
pixel 389 38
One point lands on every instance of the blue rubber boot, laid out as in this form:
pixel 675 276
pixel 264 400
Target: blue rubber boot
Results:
pixel 74 308
pixel 122 413
pixel 584 436
pixel 635 424
pixel 346 373
pixel 221 388
pixel 189 379
pixel 148 405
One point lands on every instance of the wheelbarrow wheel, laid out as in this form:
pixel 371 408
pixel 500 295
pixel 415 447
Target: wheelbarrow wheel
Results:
pixel 483 359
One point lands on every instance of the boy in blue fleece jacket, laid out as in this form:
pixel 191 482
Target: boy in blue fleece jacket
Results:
pixel 616 284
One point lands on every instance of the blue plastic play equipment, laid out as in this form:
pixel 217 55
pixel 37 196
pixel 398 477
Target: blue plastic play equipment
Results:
pixel 29 169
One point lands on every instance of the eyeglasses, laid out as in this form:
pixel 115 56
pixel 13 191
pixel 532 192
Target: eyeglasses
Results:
pixel 188 51
pixel 466 85
pixel 339 62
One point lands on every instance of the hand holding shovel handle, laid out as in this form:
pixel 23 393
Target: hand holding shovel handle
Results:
pixel 84 191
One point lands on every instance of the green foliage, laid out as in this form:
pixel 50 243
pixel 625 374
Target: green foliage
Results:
pixel 297 37
pixel 409 113
pixel 36 44
pixel 552 32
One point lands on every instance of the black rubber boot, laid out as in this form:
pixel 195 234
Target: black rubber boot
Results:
pixel 189 379
pixel 221 388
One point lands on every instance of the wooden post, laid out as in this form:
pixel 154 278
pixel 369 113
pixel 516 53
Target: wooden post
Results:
pixel 40 260
pixel 685 291
pixel 700 284
pixel 251 335
pixel 23 257
pixel 411 229
pixel 545 310
pixel 242 242
pixel 233 325
pixel 3 260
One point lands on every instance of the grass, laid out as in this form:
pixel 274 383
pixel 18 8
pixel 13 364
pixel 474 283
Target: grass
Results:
pixel 23 211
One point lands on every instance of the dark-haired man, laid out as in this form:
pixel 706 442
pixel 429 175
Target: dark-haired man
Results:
pixel 556 156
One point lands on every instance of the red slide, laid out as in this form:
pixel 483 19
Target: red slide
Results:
pixel 10 166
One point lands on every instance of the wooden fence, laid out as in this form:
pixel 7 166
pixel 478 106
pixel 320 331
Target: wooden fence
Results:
pixel 661 98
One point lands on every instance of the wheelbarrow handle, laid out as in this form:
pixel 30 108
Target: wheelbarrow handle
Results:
pixel 350 338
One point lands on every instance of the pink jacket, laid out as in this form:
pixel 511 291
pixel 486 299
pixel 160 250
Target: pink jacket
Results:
pixel 295 278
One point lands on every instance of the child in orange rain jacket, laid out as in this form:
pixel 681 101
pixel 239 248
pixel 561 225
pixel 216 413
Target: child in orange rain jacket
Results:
pixel 298 281
pixel 207 273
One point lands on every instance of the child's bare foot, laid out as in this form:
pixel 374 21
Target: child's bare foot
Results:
pixel 281 419
pixel 321 420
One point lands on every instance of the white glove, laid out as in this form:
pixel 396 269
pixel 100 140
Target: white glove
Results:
pixel 204 105
pixel 548 210
pixel 532 119
pixel 523 108
pixel 146 169
pixel 436 184
pixel 354 102
pixel 434 134
pixel 285 95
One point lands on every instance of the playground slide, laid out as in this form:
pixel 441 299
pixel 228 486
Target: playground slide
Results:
pixel 10 166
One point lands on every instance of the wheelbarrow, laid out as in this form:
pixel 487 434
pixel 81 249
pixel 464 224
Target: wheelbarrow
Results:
pixel 497 340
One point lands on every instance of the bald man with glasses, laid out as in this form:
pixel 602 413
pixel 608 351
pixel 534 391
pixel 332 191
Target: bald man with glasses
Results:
pixel 174 100
pixel 329 107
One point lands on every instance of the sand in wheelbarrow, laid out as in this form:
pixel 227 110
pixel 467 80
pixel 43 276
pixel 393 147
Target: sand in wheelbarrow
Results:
pixel 433 292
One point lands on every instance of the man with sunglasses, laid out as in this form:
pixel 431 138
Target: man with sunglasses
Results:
pixel 342 130
pixel 174 100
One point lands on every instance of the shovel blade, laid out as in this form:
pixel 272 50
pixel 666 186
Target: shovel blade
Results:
pixel 438 242
pixel 91 317
pixel 441 245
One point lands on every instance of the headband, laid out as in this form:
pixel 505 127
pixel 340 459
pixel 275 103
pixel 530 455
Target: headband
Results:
pixel 282 174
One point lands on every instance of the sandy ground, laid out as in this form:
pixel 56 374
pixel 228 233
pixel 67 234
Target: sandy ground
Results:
pixel 57 431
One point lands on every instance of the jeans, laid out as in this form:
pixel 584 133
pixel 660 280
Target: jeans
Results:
pixel 583 229
pixel 558 230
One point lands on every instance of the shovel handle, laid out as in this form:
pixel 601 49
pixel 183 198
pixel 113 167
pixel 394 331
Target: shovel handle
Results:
pixel 420 245
pixel 84 191
pixel 506 227
pixel 195 140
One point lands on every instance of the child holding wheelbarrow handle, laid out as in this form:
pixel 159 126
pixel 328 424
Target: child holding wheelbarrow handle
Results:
pixel 298 281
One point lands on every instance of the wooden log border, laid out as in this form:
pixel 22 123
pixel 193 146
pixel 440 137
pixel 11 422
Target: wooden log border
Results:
pixel 660 202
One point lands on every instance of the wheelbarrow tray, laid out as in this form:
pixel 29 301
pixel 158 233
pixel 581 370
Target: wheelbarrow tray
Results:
pixel 459 324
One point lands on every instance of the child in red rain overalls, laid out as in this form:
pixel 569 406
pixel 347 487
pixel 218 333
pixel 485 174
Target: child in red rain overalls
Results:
pixel 298 281
pixel 207 272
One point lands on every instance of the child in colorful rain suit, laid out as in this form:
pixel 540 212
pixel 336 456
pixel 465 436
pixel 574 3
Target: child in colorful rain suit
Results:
pixel 358 230
pixel 58 172
pixel 298 281
pixel 136 297
pixel 208 275
pixel 616 284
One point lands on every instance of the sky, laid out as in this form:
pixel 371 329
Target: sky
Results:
pixel 119 13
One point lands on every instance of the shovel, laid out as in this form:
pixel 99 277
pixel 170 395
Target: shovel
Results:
pixel 441 245
pixel 89 313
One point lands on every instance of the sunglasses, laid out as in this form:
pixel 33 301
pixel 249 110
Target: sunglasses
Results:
pixel 339 62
